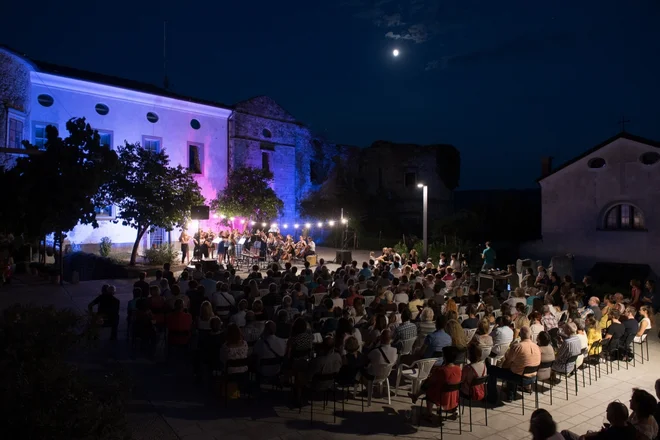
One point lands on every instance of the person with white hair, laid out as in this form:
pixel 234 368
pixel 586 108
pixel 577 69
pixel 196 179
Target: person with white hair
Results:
pixel 593 309
pixel 570 347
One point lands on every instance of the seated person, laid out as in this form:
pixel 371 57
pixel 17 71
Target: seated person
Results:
pixel 435 342
pixel 108 309
pixel 502 334
pixel 618 427
pixel 475 370
pixel 269 346
pixel 614 332
pixel 434 387
pixel 570 347
pixel 547 355
pixel 521 355
pixel 543 427
pixel 472 321
pixel 352 363
pixel 643 406
pixel 382 354
pixel 179 324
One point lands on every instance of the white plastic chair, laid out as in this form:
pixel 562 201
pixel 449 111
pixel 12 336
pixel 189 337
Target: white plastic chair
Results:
pixel 462 310
pixel 497 313
pixel 501 350
pixel 381 374
pixel 462 317
pixel 469 333
pixel 407 346
pixel 480 315
pixel 416 373
pixel 318 297
pixel 368 300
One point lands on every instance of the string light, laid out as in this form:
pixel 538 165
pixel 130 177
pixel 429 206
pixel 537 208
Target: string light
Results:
pixel 274 225
pixel 253 223
pixel 331 223
pixel 308 225
pixel 319 224
pixel 296 226
pixel 286 226
pixel 263 225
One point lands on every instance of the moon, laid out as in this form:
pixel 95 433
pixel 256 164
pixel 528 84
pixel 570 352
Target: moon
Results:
pixel 395 52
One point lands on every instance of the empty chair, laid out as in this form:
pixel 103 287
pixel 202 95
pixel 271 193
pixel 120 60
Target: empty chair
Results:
pixel 416 373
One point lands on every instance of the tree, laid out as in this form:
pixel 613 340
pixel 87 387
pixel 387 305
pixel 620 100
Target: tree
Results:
pixel 150 194
pixel 57 187
pixel 42 395
pixel 249 195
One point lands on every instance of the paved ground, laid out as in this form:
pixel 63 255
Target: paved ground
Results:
pixel 168 405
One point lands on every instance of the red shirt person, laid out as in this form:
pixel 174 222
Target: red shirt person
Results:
pixel 179 324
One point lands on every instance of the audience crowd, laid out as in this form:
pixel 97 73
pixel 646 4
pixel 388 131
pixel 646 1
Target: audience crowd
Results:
pixel 361 322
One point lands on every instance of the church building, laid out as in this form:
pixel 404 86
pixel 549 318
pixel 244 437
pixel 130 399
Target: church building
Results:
pixel 603 206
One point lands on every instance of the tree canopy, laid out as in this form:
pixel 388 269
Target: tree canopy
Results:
pixel 149 193
pixel 248 194
pixel 55 188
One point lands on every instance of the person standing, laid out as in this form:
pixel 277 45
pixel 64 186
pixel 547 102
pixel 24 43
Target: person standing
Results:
pixel 184 239
pixel 488 255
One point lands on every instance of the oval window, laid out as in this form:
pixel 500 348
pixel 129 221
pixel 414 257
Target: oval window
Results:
pixel 649 158
pixel 267 134
pixel 596 162
pixel 152 117
pixel 45 100
pixel 102 109
pixel 194 123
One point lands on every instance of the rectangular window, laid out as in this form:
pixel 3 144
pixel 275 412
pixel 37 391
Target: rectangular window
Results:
pixel 265 161
pixel 196 158
pixel 625 216
pixel 158 237
pixel 151 143
pixel 39 134
pixel 105 212
pixel 15 127
pixel 410 180
pixel 106 138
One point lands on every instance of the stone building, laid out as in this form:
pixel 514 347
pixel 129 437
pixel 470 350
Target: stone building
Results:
pixel 212 138
pixel 603 206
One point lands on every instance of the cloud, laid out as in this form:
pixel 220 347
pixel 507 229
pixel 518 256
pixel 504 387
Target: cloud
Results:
pixel 432 65
pixel 417 33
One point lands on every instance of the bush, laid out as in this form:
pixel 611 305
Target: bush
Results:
pixel 400 248
pixel 105 247
pixel 43 395
pixel 159 255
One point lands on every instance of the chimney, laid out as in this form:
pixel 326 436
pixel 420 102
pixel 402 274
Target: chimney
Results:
pixel 546 166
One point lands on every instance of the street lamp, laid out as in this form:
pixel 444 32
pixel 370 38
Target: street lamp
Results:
pixel 425 202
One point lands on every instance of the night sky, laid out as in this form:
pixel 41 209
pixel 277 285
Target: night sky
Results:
pixel 506 82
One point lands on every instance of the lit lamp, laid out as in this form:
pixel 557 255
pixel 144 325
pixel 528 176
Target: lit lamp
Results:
pixel 242 221
pixel 285 226
pixel 274 225
pixel 231 219
pixel 344 221
pixel 222 216
pixel 425 205
pixel 215 215
pixel 331 223
pixel 319 224
pixel 308 225
pixel 253 223
pixel 263 225
pixel 296 226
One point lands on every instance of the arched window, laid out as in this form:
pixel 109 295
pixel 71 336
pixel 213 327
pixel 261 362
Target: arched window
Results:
pixel 624 217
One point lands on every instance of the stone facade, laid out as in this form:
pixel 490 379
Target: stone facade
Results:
pixel 263 134
pixel 604 206
pixel 392 171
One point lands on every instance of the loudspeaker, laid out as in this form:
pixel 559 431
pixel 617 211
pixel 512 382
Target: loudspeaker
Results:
pixel 346 256
pixel 210 266
pixel 199 213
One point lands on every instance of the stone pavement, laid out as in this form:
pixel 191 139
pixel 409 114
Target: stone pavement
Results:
pixel 167 404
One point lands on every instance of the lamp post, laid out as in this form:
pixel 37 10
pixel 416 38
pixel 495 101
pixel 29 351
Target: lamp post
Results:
pixel 425 229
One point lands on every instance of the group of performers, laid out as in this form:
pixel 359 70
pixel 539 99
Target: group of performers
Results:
pixel 257 243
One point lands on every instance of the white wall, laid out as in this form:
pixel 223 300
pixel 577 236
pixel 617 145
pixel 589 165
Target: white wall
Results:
pixel 128 122
pixel 576 198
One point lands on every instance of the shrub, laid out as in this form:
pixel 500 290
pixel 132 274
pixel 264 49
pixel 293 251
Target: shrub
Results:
pixel 43 395
pixel 159 255
pixel 400 248
pixel 105 247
